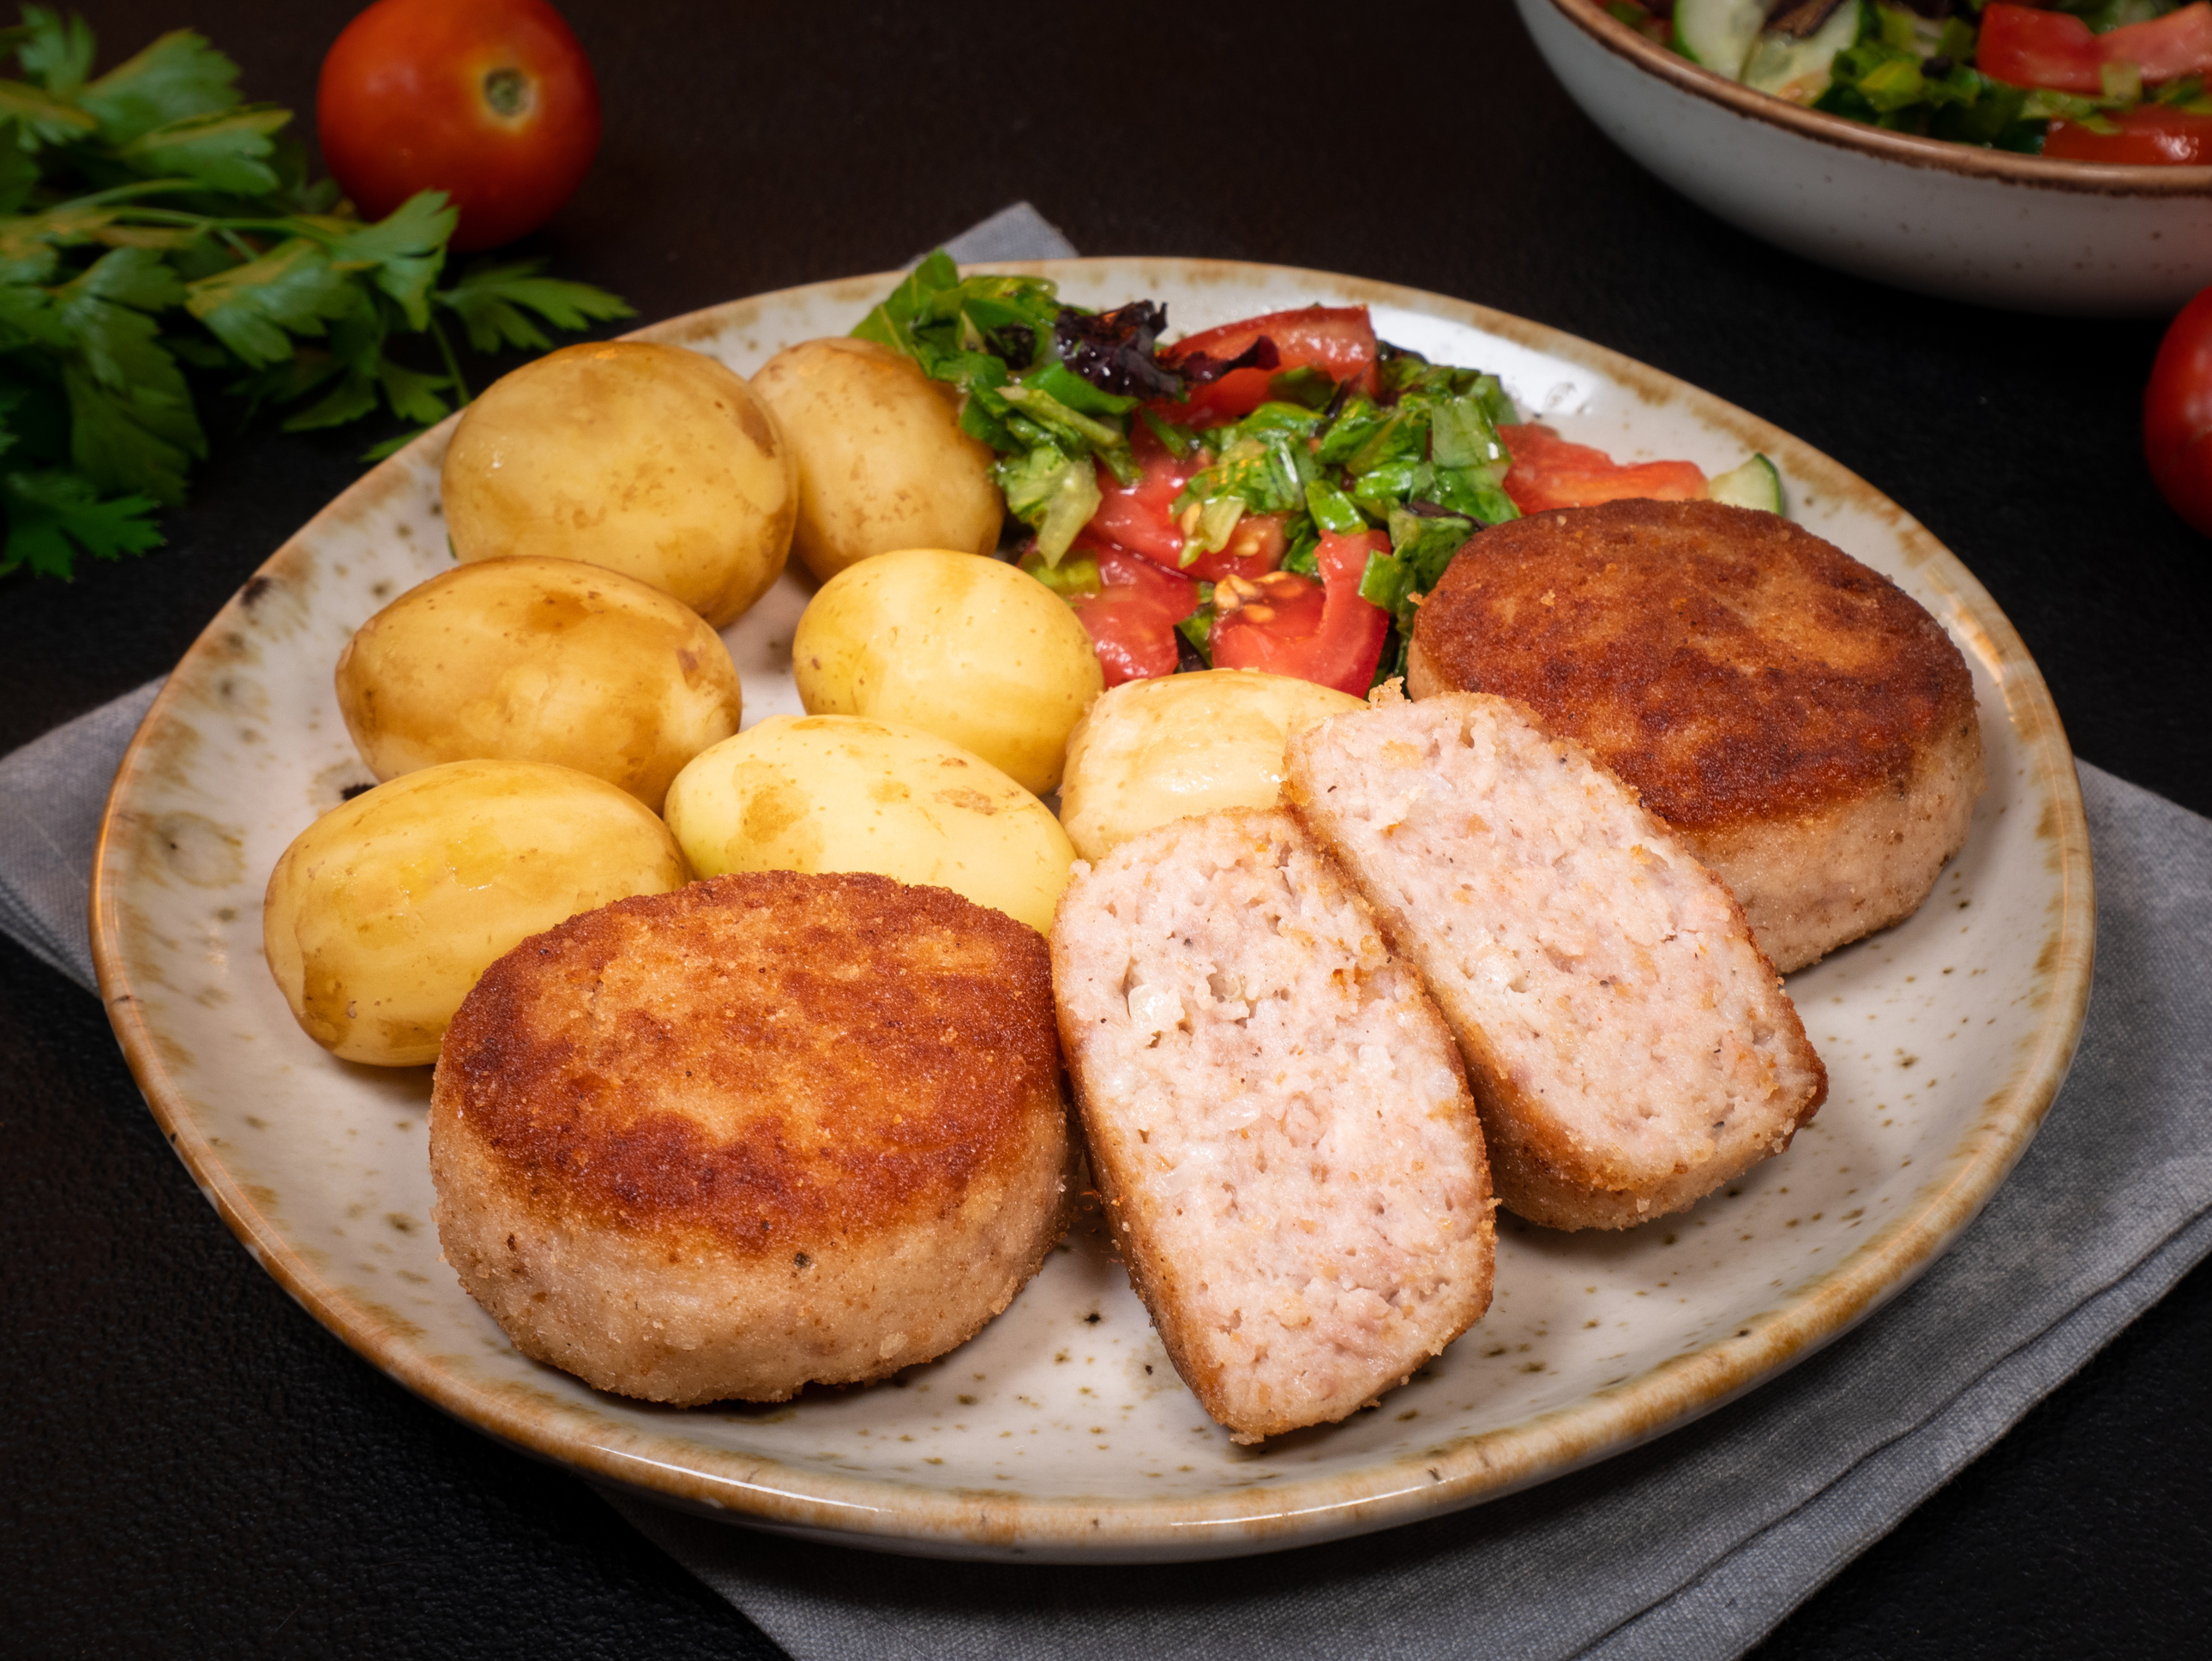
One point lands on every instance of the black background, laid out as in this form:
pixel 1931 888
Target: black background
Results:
pixel 189 1464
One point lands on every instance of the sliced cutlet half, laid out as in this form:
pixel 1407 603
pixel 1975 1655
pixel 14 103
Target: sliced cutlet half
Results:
pixel 1630 1048
pixel 1276 1118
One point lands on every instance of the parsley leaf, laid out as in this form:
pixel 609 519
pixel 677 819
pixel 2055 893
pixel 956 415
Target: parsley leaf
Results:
pixel 51 514
pixel 42 115
pixel 55 53
pixel 408 248
pixel 178 77
pixel 224 150
pixel 489 301
pixel 139 437
pixel 250 307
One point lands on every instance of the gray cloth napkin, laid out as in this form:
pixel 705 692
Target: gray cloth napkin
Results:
pixel 1016 232
pixel 53 792
pixel 1694 1546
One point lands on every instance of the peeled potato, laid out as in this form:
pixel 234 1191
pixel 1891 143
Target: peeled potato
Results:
pixel 882 461
pixel 651 461
pixel 538 659
pixel 1153 750
pixel 382 914
pixel 971 649
pixel 834 792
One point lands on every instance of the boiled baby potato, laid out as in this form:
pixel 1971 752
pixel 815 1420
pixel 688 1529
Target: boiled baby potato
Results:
pixel 971 649
pixel 1151 751
pixel 651 461
pixel 382 913
pixel 538 659
pixel 835 792
pixel 882 461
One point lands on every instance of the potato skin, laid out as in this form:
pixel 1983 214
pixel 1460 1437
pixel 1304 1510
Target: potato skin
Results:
pixel 973 650
pixel 835 792
pixel 382 914
pixel 1153 750
pixel 651 461
pixel 882 461
pixel 538 659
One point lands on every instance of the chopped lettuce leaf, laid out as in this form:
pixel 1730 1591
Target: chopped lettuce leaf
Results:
pixel 1072 579
pixel 1053 493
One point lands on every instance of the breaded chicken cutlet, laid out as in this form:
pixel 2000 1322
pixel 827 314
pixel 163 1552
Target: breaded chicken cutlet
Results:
pixel 1629 1048
pixel 1798 720
pixel 1277 1120
pixel 767 1130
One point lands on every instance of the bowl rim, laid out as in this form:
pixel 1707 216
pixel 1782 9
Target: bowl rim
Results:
pixel 1940 154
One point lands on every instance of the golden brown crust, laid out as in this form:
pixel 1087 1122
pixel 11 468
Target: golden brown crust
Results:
pixel 781 1054
pixel 1731 666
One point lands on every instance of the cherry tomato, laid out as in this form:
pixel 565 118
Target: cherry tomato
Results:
pixel 1339 339
pixel 2149 135
pixel 1292 625
pixel 491 101
pixel 1547 472
pixel 2177 414
pixel 2032 48
pixel 1132 619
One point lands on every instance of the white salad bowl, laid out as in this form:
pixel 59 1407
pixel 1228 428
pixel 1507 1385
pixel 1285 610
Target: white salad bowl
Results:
pixel 1989 227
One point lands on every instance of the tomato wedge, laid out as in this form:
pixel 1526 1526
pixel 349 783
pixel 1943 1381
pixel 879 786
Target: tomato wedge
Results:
pixel 2053 49
pixel 2038 49
pixel 1338 339
pixel 1547 472
pixel 2148 136
pixel 1132 619
pixel 2164 48
pixel 1140 518
pixel 1318 631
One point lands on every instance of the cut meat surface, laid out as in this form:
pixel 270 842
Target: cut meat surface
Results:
pixel 1629 1047
pixel 1276 1118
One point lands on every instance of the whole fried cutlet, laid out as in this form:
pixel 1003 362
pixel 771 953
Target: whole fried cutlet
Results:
pixel 769 1130
pixel 1802 723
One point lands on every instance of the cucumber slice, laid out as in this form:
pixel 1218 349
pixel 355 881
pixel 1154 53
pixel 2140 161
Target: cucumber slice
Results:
pixel 1754 484
pixel 1800 70
pixel 1718 33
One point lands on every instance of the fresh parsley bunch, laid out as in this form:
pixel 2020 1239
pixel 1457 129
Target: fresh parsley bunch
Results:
pixel 151 224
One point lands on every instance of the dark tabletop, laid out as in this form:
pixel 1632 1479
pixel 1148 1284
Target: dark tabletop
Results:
pixel 190 1464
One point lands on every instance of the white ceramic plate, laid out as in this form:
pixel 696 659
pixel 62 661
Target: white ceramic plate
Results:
pixel 1061 1431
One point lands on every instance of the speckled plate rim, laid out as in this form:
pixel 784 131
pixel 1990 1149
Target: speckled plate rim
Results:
pixel 857 1511
pixel 2084 178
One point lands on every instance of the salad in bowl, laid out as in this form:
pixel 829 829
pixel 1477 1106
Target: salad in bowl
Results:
pixel 2021 156
pixel 2106 81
